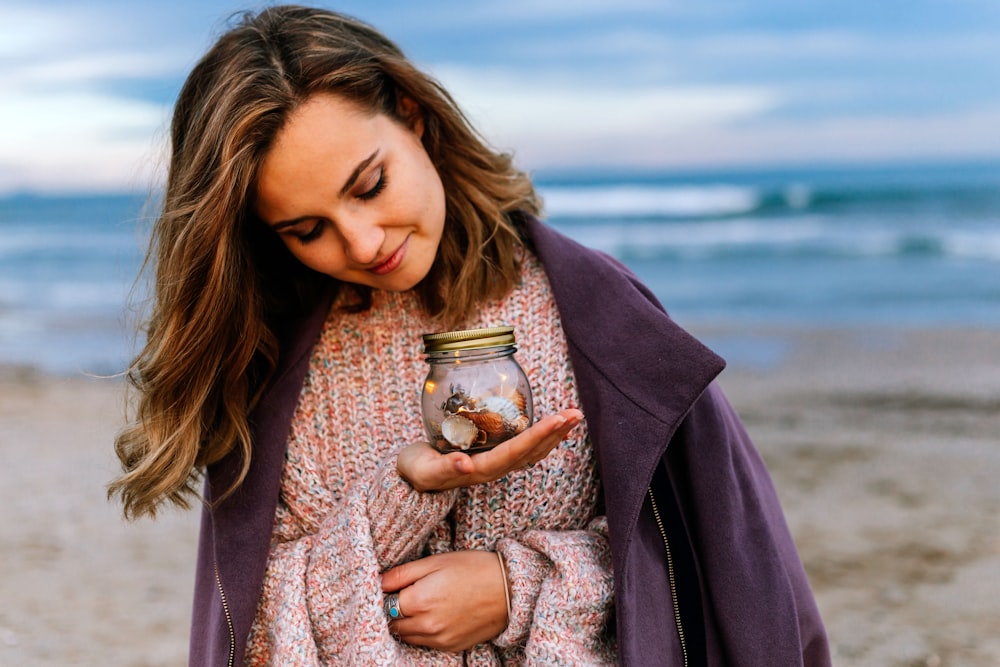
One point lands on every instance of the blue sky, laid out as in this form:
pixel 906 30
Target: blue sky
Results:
pixel 86 88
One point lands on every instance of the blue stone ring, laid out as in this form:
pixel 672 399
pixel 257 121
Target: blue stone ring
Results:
pixel 391 606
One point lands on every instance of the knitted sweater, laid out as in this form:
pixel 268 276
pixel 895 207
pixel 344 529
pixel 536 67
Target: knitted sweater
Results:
pixel 344 515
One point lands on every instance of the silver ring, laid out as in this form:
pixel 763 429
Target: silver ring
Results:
pixel 391 607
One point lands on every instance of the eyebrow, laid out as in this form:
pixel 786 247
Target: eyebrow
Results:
pixel 357 172
pixel 351 180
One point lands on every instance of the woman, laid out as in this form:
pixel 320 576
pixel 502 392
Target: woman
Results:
pixel 326 203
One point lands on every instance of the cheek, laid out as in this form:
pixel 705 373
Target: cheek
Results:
pixel 425 185
pixel 436 201
pixel 294 247
pixel 311 255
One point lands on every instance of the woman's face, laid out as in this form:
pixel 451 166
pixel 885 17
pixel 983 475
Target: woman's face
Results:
pixel 353 195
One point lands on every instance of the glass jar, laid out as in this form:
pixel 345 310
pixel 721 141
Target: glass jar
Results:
pixel 476 395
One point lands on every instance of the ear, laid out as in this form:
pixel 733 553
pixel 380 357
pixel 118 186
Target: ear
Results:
pixel 412 114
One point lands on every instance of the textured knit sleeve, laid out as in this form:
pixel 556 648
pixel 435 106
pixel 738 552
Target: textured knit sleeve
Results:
pixel 322 594
pixel 562 596
pixel 402 518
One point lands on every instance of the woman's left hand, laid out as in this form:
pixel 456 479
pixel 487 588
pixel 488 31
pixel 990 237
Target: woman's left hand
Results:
pixel 426 469
pixel 450 601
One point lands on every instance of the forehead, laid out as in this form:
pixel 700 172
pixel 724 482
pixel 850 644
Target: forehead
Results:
pixel 322 122
pixel 316 150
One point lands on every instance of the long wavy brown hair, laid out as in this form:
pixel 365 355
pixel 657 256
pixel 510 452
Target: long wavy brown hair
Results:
pixel 223 283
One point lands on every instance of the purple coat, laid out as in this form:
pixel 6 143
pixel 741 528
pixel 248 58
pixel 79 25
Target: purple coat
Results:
pixel 647 391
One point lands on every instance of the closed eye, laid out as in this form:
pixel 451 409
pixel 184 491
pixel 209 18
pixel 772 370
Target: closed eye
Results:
pixel 374 190
pixel 311 234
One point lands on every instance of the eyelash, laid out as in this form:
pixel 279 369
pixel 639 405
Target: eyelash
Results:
pixel 376 189
pixel 314 233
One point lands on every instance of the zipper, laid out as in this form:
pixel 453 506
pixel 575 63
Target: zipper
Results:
pixel 670 576
pixel 229 618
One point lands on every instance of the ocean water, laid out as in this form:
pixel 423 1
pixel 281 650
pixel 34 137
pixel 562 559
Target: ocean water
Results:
pixel 864 247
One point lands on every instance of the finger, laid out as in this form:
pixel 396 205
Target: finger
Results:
pixel 533 444
pixel 511 451
pixel 558 430
pixel 540 452
pixel 545 446
pixel 572 414
pixel 550 444
pixel 426 469
pixel 407 626
pixel 401 576
pixel 415 633
pixel 411 637
pixel 459 469
pixel 449 468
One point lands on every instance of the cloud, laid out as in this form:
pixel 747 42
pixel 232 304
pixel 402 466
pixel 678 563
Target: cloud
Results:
pixel 74 140
pixel 554 122
pixel 529 10
pixel 108 65
pixel 27 32
pixel 824 45
pixel 958 135
pixel 60 126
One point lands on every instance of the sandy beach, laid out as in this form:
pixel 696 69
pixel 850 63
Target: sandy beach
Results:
pixel 884 446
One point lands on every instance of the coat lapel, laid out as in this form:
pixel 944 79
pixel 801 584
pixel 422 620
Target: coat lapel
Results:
pixel 243 521
pixel 637 371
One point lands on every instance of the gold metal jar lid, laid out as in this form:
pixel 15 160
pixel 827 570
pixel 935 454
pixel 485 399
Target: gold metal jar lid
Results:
pixel 468 339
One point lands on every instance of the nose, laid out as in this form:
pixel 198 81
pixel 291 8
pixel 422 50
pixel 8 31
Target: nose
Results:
pixel 363 240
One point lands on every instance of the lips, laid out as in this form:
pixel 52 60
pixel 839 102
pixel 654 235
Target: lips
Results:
pixel 393 262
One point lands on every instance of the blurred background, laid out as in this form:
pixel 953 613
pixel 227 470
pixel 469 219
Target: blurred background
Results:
pixel 774 161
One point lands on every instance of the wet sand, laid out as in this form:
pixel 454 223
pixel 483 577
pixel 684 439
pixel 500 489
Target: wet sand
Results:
pixel 884 446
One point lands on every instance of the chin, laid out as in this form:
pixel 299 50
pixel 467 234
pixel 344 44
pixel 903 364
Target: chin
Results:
pixel 412 279
pixel 398 283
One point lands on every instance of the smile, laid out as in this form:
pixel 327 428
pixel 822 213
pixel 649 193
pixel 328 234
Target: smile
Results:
pixel 393 262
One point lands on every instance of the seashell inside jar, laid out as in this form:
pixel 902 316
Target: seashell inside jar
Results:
pixel 475 395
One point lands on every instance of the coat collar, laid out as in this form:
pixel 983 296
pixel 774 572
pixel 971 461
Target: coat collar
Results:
pixel 612 320
pixel 637 371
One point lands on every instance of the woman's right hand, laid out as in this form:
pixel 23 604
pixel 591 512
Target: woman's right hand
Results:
pixel 426 469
